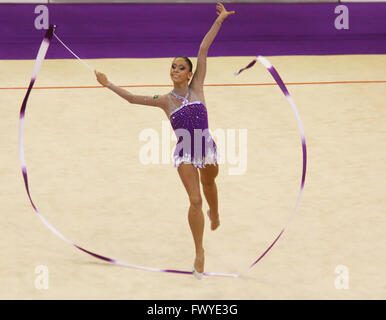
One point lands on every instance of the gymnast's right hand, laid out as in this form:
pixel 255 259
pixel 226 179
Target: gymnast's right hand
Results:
pixel 102 79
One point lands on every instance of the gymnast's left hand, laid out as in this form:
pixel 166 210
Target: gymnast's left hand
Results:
pixel 222 12
pixel 101 78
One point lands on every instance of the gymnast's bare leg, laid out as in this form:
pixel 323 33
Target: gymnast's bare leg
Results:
pixel 208 175
pixel 190 178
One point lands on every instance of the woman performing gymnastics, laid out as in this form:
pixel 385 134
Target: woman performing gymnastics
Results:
pixel 185 108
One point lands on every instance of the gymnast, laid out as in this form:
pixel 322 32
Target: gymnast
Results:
pixel 195 155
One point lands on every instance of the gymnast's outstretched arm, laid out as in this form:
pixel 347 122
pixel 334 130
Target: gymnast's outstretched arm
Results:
pixel 199 76
pixel 156 101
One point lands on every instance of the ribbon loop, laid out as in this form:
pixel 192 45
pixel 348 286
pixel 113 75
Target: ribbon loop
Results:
pixel 37 66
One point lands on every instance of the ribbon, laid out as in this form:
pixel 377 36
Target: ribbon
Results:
pixel 264 61
pixel 37 66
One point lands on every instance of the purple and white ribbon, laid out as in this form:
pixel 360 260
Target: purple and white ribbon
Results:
pixel 264 61
pixel 38 64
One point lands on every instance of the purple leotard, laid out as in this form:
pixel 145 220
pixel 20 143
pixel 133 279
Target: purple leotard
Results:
pixel 195 144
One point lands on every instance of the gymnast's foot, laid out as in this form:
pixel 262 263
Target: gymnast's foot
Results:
pixel 214 219
pixel 199 262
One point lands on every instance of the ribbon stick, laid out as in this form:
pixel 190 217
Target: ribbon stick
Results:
pixel 84 62
pixel 37 66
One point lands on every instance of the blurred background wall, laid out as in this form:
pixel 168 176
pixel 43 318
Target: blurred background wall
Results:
pixel 141 29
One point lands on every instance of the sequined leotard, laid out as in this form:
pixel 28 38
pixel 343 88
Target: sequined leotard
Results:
pixel 195 144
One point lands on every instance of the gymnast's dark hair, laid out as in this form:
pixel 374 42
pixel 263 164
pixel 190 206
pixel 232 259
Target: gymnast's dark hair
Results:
pixel 187 60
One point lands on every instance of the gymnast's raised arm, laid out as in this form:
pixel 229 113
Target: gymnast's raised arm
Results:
pixel 155 101
pixel 199 76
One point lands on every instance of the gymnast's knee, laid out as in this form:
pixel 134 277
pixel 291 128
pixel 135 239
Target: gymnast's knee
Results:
pixel 196 201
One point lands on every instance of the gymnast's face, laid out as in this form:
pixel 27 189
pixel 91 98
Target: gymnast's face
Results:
pixel 179 71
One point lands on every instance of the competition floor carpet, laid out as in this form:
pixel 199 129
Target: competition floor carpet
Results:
pixel 83 152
